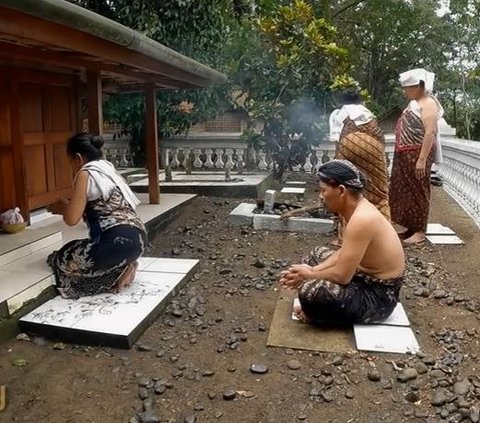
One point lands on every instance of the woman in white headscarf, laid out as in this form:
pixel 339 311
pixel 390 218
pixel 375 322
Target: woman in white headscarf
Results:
pixel 416 147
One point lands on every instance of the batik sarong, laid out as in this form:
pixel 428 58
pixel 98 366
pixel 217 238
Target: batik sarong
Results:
pixel 365 299
pixel 364 146
pixel 409 196
pixel 88 267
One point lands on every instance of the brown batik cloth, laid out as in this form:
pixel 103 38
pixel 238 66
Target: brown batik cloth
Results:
pixel 409 196
pixel 364 146
pixel 364 300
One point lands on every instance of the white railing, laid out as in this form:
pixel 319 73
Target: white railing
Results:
pixel 460 172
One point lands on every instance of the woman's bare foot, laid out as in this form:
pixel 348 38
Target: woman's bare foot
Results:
pixel 337 242
pixel 127 277
pixel 297 310
pixel 416 238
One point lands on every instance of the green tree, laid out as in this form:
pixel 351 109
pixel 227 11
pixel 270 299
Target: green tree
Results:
pixel 289 59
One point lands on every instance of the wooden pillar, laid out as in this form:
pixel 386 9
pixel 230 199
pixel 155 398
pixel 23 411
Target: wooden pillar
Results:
pixel 94 99
pixel 151 135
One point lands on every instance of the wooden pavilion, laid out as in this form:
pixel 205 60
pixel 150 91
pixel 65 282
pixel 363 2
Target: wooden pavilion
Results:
pixel 53 53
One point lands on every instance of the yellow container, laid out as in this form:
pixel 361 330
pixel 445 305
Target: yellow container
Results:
pixel 13 228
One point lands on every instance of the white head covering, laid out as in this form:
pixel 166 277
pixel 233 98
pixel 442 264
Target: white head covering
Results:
pixel 356 112
pixel 415 76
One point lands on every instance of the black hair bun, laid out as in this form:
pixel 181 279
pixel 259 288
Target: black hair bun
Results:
pixel 97 141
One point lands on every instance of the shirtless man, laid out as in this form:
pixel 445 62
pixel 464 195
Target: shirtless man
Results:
pixel 360 282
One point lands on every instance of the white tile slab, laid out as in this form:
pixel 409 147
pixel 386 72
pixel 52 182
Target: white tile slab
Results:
pixel 121 316
pixel 387 339
pixel 143 262
pixel 397 318
pixel 292 190
pixel 438 229
pixel 444 239
pixel 296 302
pixel 296 183
pixel 47 241
pixel 171 265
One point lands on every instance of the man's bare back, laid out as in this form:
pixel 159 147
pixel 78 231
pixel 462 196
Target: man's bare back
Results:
pixel 384 257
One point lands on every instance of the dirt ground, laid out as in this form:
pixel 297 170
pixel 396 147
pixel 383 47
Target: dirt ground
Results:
pixel 202 347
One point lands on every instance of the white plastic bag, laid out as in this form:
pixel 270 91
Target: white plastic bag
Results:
pixel 11 217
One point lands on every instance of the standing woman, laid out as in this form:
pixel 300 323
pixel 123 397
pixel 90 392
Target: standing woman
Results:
pixel 416 140
pixel 107 260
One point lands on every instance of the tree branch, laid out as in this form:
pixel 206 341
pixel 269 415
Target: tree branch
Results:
pixel 346 7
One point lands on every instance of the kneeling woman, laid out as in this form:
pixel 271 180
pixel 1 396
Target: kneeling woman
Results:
pixel 107 260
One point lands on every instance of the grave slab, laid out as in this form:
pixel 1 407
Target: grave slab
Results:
pixel 293 224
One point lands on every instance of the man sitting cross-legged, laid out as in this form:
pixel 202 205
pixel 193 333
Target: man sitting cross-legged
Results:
pixel 360 282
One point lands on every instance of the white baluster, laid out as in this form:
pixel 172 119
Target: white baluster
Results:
pixel 262 164
pixel 229 153
pixel 240 163
pixel 308 163
pixel 208 154
pixel 175 163
pixel 197 162
pixel 219 163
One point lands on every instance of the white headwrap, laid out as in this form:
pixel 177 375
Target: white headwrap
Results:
pixel 415 76
pixel 356 112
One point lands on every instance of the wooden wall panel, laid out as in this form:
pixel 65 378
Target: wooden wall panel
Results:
pixel 7 175
pixel 37 181
pixel 30 98
pixel 63 168
pixel 60 102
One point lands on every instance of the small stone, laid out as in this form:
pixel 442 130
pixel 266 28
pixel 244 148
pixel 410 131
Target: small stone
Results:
pixel 159 388
pixel 374 375
pixel 337 360
pixel 149 416
pixel 190 418
pixel 386 384
pixel 225 271
pixel 349 395
pixel 218 414
pixel 258 368
pixel 421 368
pixel 259 264
pixel 142 393
pixel 462 387
pixel 144 382
pixel 160 353
pixel 229 395
pixel 59 346
pixel 294 364
pixel 302 417
pixel 475 414
pixel 429 361
pixel 439 293
pixel 412 396
pixel 176 312
pixel 212 395
pixel 199 407
pixel 208 373
pixel 22 337
pixel 439 398
pixel 144 348
pixel 327 396
pixel 407 374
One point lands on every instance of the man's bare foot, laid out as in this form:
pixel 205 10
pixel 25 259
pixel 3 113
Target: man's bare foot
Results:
pixel 416 238
pixel 127 277
pixel 297 310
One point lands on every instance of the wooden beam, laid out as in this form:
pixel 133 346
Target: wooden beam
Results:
pixel 72 60
pixel 151 135
pixel 25 26
pixel 94 99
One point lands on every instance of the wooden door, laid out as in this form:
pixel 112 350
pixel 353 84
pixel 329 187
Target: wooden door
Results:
pixel 47 120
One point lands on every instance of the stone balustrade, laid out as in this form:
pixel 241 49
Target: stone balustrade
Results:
pixel 460 172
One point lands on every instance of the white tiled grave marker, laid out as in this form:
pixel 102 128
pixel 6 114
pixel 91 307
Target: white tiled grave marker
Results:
pixel 293 190
pixel 115 320
pixel 445 239
pixel 383 338
pixel 438 229
pixel 392 335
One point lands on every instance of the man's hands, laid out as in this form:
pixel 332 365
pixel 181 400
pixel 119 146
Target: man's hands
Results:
pixel 293 277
